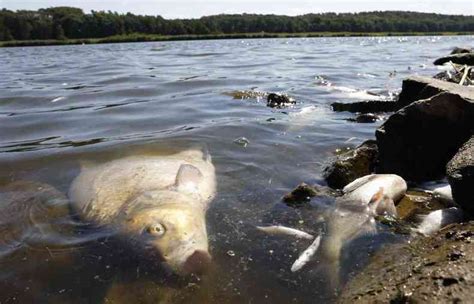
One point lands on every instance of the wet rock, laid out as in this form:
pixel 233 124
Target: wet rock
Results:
pixel 461 50
pixel 418 141
pixel 427 268
pixel 419 87
pixel 413 88
pixel 415 203
pixel 304 192
pixel 275 100
pixel 365 118
pixel 460 172
pixel 349 166
pixel 460 58
pixel 372 106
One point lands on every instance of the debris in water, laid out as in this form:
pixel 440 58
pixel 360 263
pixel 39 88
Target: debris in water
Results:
pixel 231 253
pixel 242 141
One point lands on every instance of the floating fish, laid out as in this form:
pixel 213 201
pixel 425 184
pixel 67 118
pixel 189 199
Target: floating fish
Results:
pixel 281 230
pixel 156 203
pixel 307 255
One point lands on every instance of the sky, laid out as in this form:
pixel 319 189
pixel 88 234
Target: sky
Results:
pixel 199 8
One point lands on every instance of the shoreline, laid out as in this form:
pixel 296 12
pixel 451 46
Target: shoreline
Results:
pixel 156 38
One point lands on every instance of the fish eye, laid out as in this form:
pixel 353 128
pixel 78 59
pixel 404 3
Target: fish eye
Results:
pixel 156 230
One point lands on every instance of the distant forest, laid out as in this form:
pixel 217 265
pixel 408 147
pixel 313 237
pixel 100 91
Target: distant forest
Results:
pixel 73 23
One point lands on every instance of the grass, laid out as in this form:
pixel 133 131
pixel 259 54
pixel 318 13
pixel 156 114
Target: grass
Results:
pixel 148 37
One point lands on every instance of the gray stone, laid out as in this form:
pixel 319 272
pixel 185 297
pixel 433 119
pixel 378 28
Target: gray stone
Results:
pixel 460 172
pixel 418 141
pixel 420 87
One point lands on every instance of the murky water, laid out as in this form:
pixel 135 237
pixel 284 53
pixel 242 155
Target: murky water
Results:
pixel 63 105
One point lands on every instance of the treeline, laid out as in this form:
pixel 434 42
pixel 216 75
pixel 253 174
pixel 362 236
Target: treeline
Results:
pixel 73 23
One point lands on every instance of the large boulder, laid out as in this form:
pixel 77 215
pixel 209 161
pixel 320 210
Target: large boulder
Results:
pixel 413 88
pixel 420 87
pixel 460 58
pixel 460 172
pixel 418 141
pixel 351 165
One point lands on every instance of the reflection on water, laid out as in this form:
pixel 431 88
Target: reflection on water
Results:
pixel 63 105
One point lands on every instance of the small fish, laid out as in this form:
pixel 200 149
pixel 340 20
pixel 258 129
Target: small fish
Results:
pixel 307 255
pixel 282 230
pixel 438 219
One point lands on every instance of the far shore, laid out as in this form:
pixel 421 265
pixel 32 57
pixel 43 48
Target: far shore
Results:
pixel 150 38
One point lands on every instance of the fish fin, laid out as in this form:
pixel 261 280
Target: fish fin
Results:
pixel 357 183
pixel 386 207
pixel 377 198
pixel 188 178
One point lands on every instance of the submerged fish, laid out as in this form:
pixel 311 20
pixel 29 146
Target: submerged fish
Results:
pixel 307 255
pixel 281 230
pixel 438 219
pixel 353 216
pixel 156 203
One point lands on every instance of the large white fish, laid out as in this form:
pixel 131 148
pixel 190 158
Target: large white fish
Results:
pixel 158 203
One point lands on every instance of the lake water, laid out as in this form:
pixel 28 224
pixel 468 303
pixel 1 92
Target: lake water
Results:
pixel 66 104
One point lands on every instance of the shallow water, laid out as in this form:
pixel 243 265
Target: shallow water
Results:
pixel 62 105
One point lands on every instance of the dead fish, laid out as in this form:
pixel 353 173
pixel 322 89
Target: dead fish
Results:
pixel 438 219
pixel 353 216
pixel 281 230
pixel 157 203
pixel 364 188
pixel 307 255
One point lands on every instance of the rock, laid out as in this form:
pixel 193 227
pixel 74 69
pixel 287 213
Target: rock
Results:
pixel 428 268
pixel 365 118
pixel 419 87
pixel 373 106
pixel 413 88
pixel 304 192
pixel 460 172
pixel 461 50
pixel 460 58
pixel 351 165
pixel 415 203
pixel 275 100
pixel 418 141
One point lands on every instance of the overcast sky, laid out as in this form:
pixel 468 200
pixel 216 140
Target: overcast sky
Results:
pixel 198 8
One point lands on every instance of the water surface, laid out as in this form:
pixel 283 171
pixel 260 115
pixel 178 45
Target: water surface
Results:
pixel 63 105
